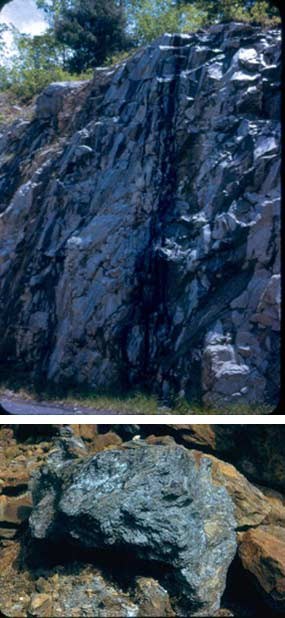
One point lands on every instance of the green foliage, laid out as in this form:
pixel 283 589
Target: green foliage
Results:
pixel 53 9
pixel 153 19
pixel 119 57
pixel 26 83
pixel 148 19
pixel 82 35
pixel 3 28
pixel 260 11
pixel 38 61
pixel 38 52
pixel 92 31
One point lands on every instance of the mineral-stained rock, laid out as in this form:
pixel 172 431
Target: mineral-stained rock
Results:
pixel 152 599
pixel 149 517
pixel 252 507
pixel 262 552
pixel 17 461
pixel 157 502
pixel 91 593
pixel 140 223
pixel 258 450
pixel 75 591
pixel 15 509
pixel 9 553
pixel 41 605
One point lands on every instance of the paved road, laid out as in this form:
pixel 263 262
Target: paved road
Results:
pixel 24 407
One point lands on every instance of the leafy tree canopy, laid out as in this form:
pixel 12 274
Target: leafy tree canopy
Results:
pixel 92 30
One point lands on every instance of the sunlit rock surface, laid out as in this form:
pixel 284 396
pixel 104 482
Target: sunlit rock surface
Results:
pixel 140 223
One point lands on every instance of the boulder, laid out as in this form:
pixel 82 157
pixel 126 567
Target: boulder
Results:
pixel 51 101
pixel 157 503
pixel 262 553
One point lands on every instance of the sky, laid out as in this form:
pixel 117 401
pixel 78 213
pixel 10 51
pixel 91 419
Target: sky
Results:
pixel 25 15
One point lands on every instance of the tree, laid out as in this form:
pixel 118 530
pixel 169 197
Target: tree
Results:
pixel 150 19
pixel 36 62
pixel 92 30
pixel 39 51
pixel 227 10
pixel 53 9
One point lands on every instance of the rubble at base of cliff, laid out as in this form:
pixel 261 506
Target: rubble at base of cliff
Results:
pixel 182 520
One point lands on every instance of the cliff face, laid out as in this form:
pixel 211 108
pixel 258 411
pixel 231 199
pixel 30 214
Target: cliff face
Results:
pixel 95 523
pixel 140 223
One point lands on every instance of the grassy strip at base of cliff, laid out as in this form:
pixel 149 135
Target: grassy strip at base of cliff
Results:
pixel 130 402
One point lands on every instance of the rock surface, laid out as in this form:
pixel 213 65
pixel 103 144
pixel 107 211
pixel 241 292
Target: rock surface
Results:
pixel 151 507
pixel 262 553
pixel 156 502
pixel 140 223
pixel 258 452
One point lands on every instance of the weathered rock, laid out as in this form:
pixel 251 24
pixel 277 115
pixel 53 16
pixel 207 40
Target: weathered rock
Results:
pixel 256 450
pixel 52 100
pixel 157 502
pixel 140 223
pixel 262 552
pixel 252 506
pixel 152 599
pixel 17 462
pixel 73 591
pixel 9 553
pixel 41 605
pixel 40 576
pixel 91 592
pixel 15 509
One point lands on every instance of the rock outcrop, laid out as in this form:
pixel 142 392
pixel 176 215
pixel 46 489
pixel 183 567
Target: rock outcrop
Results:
pixel 137 528
pixel 140 223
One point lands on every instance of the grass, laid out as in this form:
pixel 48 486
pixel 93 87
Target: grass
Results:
pixel 131 402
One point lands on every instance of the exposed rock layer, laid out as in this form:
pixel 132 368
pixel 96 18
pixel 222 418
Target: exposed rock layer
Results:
pixel 140 223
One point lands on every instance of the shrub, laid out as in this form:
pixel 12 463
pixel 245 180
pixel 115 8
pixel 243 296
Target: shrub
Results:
pixel 26 83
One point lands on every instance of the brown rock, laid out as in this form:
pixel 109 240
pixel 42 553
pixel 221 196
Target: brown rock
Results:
pixel 7 533
pixel 251 506
pixel 41 605
pixel 152 599
pixel 277 503
pixel 106 440
pixel 262 552
pixel 166 440
pixel 9 553
pixel 86 432
pixel 15 509
pixel 257 450
pixel 196 435
pixel 13 474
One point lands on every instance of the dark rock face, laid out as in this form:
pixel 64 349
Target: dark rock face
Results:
pixel 157 502
pixel 140 223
